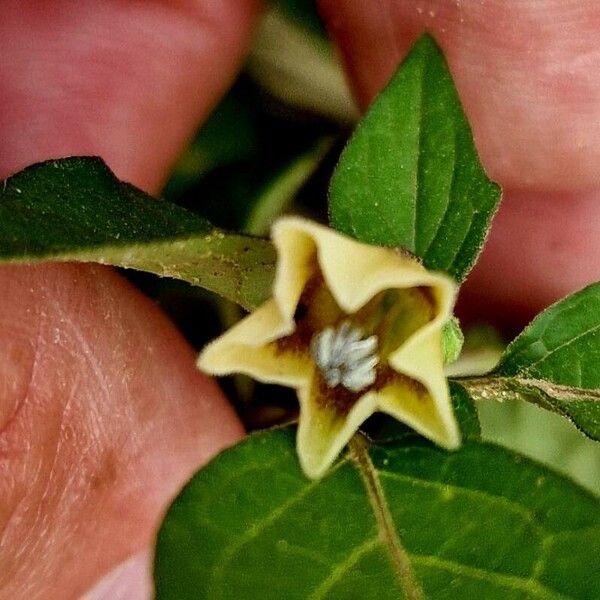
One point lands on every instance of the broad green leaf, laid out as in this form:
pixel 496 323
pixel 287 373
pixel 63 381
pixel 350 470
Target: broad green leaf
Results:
pixel 387 521
pixel 410 175
pixel 75 209
pixel 554 362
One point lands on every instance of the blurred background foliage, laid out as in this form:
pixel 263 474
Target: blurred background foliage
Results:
pixel 270 147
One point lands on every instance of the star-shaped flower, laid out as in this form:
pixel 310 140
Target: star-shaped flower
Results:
pixel 354 329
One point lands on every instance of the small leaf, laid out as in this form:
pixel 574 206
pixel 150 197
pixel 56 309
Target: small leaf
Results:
pixel 410 175
pixel 75 209
pixel 554 362
pixel 453 340
pixel 299 66
pixel 279 193
pixel 385 522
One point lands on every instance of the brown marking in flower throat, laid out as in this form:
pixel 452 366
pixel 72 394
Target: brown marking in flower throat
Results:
pixel 317 309
pixel 342 400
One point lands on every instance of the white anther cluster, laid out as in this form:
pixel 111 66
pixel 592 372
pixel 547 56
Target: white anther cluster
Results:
pixel 344 358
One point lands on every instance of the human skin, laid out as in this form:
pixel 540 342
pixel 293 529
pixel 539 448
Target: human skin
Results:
pixel 103 414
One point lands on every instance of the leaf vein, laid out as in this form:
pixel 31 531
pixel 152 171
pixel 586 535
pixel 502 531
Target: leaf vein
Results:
pixel 446 208
pixel 338 570
pixel 438 485
pixel 419 153
pixel 385 524
pixel 255 530
pixel 560 347
pixel 527 585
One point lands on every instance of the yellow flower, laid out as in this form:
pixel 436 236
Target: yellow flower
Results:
pixel 354 329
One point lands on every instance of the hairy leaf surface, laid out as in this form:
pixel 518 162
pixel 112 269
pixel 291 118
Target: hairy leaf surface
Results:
pixel 410 175
pixel 406 518
pixel 554 362
pixel 75 209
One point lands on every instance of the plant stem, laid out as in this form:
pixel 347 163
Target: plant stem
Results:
pixel 387 531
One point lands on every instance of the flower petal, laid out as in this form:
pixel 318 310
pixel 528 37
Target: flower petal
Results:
pixel 432 414
pixel 353 271
pixel 323 432
pixel 248 347
pixel 295 265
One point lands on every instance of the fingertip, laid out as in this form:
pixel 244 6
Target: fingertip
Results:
pixel 524 74
pixel 129 82
pixel 541 248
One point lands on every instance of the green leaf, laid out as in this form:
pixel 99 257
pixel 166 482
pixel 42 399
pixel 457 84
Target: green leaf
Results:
pixel 299 66
pixel 229 136
pixel 75 209
pixel 410 175
pixel 554 362
pixel 279 193
pixel 453 340
pixel 411 519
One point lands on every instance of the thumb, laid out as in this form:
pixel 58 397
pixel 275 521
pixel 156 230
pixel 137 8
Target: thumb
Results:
pixel 103 418
pixel 128 581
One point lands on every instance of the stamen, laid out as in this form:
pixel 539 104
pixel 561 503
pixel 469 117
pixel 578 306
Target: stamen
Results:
pixel 344 358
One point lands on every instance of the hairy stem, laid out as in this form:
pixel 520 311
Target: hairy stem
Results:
pixel 387 530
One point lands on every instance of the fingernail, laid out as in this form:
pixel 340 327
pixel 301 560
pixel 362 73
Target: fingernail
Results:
pixel 131 580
